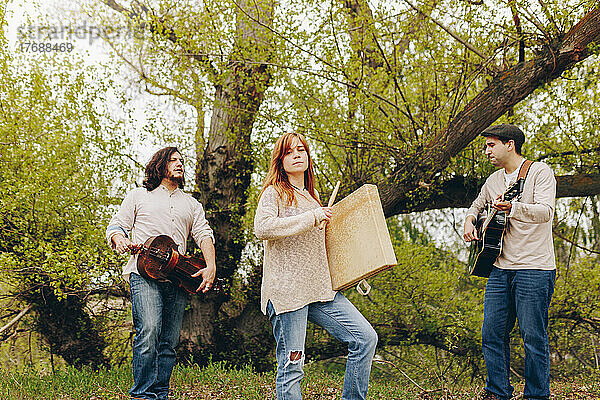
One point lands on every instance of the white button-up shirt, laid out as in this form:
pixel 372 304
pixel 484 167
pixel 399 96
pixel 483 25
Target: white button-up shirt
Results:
pixel 145 214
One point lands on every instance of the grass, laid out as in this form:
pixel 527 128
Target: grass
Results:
pixel 218 382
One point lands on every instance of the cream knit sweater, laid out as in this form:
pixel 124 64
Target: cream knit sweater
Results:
pixel 295 269
pixel 527 241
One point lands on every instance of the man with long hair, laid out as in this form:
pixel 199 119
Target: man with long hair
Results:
pixel 159 208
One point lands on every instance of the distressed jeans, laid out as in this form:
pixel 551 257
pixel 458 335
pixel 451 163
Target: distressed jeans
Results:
pixel 522 295
pixel 342 320
pixel 157 309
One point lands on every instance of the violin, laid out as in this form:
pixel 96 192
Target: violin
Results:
pixel 159 259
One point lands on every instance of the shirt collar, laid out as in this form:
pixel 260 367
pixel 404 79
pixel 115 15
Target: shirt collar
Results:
pixel 163 187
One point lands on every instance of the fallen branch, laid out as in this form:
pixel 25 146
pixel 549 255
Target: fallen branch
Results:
pixel 15 320
pixel 403 373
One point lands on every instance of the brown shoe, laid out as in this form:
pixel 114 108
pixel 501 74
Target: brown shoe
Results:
pixel 488 396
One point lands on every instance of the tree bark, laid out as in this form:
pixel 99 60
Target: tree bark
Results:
pixel 460 191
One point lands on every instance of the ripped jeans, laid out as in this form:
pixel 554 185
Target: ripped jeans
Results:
pixel 340 318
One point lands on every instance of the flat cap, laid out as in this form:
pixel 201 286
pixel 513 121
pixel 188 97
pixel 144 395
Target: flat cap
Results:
pixel 505 131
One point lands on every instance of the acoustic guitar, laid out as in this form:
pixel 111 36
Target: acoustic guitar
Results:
pixel 159 259
pixel 490 231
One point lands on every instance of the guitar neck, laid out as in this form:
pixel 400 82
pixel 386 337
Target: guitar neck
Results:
pixel 491 214
pixel 514 190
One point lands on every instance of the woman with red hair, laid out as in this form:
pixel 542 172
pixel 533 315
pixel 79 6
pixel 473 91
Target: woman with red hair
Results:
pixel 296 285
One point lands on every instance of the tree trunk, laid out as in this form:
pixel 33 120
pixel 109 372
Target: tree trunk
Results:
pixel 223 177
pixel 65 325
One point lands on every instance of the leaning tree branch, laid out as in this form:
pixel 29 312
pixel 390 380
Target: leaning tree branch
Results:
pixel 501 94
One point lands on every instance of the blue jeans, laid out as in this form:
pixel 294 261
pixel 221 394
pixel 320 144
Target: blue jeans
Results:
pixel 340 318
pixel 157 309
pixel 522 295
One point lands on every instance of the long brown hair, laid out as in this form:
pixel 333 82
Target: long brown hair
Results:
pixel 277 175
pixel 157 168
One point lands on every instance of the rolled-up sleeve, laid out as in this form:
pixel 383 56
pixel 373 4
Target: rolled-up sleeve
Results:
pixel 200 228
pixel 544 196
pixel 122 221
pixel 269 226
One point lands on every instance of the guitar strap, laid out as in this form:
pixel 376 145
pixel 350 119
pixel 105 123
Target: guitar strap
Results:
pixel 524 169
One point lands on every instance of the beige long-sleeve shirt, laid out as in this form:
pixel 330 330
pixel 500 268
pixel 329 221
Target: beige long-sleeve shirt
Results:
pixel 295 269
pixel 527 241
pixel 145 214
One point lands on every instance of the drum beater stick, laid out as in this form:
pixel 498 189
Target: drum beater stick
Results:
pixel 331 200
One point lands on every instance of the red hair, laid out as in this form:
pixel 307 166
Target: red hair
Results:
pixel 277 175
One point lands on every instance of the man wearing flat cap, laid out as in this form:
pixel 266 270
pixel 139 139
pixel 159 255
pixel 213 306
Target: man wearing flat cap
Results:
pixel 521 283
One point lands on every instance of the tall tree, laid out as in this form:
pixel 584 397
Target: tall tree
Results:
pixel 395 94
pixel 229 49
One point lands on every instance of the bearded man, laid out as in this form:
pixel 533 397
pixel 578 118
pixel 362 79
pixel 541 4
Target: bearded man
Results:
pixel 161 207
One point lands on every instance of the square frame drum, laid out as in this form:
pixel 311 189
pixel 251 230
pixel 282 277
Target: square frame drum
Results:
pixel 357 239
